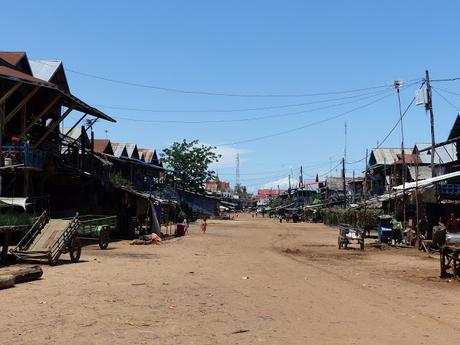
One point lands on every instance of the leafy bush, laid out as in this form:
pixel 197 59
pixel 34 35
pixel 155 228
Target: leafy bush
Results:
pixel 118 180
pixel 15 219
pixel 356 217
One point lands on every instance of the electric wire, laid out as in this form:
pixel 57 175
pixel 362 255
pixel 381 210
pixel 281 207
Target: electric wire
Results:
pixel 271 107
pixel 247 119
pixel 311 124
pixel 392 129
pixel 210 93
pixel 445 99
pixel 447 91
pixel 446 79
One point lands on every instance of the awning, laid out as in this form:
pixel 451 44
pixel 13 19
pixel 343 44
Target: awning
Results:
pixel 427 182
pixel 14 201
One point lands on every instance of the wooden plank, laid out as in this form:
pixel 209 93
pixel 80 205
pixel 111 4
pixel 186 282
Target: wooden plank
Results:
pixel 53 125
pixel 40 115
pixel 49 234
pixel 10 92
pixel 21 104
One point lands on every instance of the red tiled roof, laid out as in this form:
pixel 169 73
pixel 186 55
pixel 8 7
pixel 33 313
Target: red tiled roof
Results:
pixel 270 192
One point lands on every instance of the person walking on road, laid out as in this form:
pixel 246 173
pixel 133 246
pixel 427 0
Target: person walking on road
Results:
pixel 204 225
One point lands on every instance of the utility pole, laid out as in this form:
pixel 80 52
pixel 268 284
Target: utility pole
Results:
pixel 301 177
pixel 237 173
pixel 429 107
pixel 344 183
pixel 289 190
pixel 354 188
pixel 366 189
pixel 416 197
pixel 397 85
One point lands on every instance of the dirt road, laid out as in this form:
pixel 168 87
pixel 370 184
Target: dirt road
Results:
pixel 248 281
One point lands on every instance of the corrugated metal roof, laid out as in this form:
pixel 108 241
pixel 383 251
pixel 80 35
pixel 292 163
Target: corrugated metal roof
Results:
pixel 50 70
pixel 336 183
pixel 443 155
pixel 12 57
pixel 147 155
pixel 44 70
pixel 74 133
pixel 103 146
pixel 119 150
pixel 424 172
pixel 386 155
pixel 131 149
pixel 12 73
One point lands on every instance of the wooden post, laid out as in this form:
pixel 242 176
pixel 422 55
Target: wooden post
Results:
pixel 21 104
pixel 53 125
pixel 5 240
pixel 2 123
pixel 40 115
pixel 10 92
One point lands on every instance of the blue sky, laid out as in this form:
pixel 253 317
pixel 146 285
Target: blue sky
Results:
pixel 250 47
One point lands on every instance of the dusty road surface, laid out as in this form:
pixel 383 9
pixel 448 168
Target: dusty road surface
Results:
pixel 250 281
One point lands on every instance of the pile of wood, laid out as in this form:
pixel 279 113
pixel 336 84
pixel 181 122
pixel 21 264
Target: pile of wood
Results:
pixel 10 278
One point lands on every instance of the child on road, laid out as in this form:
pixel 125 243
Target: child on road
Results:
pixel 204 224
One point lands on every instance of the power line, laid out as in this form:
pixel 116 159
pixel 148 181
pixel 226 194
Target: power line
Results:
pixel 306 125
pixel 210 93
pixel 237 109
pixel 331 170
pixel 255 118
pixel 445 99
pixel 447 91
pixel 305 166
pixel 392 129
pixel 446 79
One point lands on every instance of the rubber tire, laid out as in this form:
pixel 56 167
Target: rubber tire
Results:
pixel 104 239
pixel 75 250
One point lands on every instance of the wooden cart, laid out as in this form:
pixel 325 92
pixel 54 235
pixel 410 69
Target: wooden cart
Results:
pixel 449 255
pixel 348 235
pixel 97 227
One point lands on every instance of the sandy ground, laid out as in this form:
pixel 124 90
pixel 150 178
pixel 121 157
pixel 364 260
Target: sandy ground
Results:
pixel 248 281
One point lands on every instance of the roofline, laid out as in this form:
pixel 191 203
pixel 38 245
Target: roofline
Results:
pixel 84 107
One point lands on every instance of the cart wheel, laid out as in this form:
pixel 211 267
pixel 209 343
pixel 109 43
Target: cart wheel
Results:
pixel 340 243
pixel 75 250
pixel 104 239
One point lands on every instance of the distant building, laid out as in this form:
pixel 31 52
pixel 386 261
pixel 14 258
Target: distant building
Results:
pixel 215 186
pixel 264 196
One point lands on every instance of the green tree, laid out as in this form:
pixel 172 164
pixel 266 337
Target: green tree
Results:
pixel 190 161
